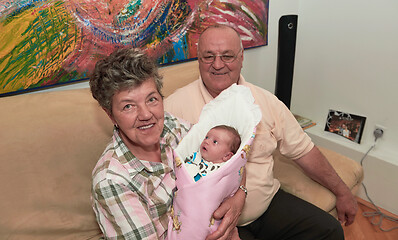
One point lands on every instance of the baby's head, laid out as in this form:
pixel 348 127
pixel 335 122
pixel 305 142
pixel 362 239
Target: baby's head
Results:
pixel 220 144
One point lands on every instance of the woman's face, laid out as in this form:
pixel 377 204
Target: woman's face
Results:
pixel 140 116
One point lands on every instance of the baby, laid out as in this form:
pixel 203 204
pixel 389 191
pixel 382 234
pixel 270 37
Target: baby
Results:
pixel 219 145
pixel 209 163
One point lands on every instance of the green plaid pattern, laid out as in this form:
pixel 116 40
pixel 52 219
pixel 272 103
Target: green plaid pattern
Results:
pixel 132 198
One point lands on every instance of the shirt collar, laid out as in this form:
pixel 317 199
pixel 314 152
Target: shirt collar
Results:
pixel 205 93
pixel 127 158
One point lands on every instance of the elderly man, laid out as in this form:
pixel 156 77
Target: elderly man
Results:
pixel 269 212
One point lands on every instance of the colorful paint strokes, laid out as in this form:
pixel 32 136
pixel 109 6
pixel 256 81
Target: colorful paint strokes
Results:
pixel 47 42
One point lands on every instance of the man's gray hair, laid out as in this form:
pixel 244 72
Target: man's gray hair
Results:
pixel 219 25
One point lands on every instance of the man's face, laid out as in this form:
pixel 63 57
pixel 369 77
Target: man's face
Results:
pixel 219 75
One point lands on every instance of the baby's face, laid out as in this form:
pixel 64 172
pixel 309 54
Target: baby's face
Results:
pixel 216 146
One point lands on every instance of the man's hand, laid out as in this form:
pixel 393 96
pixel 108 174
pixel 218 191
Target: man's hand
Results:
pixel 235 234
pixel 229 211
pixel 346 207
pixel 317 167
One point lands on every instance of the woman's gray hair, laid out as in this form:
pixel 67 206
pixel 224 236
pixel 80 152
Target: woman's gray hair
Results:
pixel 124 69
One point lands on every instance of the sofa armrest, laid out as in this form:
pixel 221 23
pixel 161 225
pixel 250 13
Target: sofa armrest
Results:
pixel 293 179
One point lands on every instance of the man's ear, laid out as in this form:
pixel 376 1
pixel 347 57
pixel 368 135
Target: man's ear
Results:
pixel 110 116
pixel 227 156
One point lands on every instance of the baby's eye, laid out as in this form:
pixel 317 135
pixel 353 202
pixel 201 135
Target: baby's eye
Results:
pixel 206 137
pixel 215 142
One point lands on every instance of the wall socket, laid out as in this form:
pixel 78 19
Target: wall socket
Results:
pixel 378 126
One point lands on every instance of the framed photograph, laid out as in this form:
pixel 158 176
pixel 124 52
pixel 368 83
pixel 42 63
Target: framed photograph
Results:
pixel 347 125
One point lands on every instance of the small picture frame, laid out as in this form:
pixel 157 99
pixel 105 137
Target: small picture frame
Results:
pixel 347 125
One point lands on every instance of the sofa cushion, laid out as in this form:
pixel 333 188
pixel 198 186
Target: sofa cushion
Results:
pixel 50 144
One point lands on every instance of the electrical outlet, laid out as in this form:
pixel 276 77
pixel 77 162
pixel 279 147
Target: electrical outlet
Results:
pixel 378 126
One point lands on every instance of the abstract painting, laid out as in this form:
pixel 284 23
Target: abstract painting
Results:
pixel 53 42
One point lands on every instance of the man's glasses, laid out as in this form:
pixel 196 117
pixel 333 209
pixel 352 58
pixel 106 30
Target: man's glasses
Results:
pixel 226 58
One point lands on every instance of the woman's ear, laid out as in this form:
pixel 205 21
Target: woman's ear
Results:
pixel 109 113
pixel 227 156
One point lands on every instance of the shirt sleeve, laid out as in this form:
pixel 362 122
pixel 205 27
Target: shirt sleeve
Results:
pixel 121 212
pixel 292 140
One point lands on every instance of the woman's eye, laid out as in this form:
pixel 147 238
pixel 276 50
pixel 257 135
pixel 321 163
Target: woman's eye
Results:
pixel 128 107
pixel 152 100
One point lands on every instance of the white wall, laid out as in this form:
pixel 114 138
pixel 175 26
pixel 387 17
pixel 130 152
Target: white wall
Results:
pixel 347 59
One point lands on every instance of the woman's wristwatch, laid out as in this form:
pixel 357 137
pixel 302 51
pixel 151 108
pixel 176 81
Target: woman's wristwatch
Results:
pixel 244 189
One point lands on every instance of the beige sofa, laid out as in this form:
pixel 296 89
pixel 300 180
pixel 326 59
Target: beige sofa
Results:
pixel 50 143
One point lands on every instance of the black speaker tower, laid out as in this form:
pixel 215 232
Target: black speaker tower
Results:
pixel 286 53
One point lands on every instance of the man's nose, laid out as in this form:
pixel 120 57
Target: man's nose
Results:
pixel 218 63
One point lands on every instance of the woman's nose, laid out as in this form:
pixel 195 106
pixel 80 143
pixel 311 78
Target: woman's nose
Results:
pixel 144 113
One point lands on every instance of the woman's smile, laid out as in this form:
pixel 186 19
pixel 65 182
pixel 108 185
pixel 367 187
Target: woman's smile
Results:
pixel 139 114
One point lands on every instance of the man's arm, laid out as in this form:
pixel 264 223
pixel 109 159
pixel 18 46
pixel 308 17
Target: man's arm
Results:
pixel 317 167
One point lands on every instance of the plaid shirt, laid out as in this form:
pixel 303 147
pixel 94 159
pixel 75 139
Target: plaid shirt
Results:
pixel 131 198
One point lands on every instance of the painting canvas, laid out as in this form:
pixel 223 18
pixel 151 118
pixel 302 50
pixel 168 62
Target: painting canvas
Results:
pixel 347 125
pixel 51 42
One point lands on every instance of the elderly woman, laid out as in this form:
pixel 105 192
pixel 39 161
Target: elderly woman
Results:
pixel 133 180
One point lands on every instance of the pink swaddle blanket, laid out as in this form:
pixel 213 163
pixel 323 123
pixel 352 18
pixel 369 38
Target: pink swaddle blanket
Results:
pixel 195 202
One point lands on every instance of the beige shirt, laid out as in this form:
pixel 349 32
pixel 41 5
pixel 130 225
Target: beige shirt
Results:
pixel 277 128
